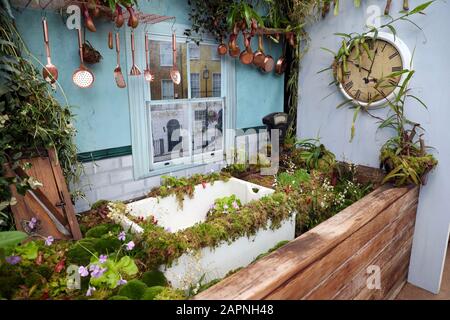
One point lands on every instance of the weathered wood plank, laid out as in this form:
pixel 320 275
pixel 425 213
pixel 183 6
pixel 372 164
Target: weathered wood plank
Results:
pixel 261 278
pixel 355 286
pixel 360 260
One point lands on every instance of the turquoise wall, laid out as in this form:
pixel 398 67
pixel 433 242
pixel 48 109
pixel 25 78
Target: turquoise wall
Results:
pixel 102 112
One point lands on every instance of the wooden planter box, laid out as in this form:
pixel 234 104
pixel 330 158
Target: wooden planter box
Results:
pixel 333 260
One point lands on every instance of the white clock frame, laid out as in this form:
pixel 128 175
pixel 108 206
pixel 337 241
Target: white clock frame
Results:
pixel 406 57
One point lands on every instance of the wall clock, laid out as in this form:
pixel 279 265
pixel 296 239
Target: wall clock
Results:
pixel 365 81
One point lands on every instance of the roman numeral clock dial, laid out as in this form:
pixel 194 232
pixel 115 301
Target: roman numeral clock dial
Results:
pixel 368 79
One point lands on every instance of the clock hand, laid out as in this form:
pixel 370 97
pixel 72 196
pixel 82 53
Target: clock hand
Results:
pixel 373 61
pixel 358 66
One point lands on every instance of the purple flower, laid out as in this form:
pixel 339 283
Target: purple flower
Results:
pixel 83 271
pixel 225 207
pixel 49 240
pixel 168 229
pixel 89 291
pixel 121 282
pixel 96 271
pixel 13 260
pixel 103 258
pixel 212 207
pixel 32 223
pixel 130 245
pixel 235 205
pixel 122 236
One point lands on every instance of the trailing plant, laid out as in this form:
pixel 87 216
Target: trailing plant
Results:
pixel 311 154
pixel 185 186
pixel 223 206
pixel 30 117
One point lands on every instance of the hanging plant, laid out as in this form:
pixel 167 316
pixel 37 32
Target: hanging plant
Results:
pixel 90 54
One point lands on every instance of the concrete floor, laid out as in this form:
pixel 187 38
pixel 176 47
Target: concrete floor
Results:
pixel 411 292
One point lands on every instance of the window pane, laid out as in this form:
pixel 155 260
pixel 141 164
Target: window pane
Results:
pixel 206 67
pixel 217 84
pixel 170 126
pixel 195 85
pixel 207 126
pixel 161 62
pixel 194 51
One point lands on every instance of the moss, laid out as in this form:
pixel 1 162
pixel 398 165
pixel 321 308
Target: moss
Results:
pixel 34 278
pixel 134 289
pixel 10 280
pixel 79 254
pixel 276 247
pixel 168 293
pixel 119 298
pixel 152 292
pixel 154 278
pixel 102 230
pixel 44 271
pixel 98 204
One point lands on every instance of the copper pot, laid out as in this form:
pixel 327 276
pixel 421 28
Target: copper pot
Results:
pixel 233 48
pixel 246 56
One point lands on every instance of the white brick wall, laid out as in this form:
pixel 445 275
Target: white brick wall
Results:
pixel 112 179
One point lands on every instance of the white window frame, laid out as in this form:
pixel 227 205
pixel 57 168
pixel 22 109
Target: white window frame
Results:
pixel 140 98
pixel 214 54
pixel 161 54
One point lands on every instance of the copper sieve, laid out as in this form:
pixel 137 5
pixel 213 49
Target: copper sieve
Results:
pixel 82 77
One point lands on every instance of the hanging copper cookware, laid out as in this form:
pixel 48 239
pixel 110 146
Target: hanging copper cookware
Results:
pixel 175 73
pixel 233 48
pixel 281 64
pixel 222 48
pixel 258 56
pixel 246 56
pixel 49 72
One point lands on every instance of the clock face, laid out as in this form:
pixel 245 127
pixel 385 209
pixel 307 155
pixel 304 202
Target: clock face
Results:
pixel 365 78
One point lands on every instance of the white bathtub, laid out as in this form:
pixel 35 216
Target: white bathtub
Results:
pixel 209 263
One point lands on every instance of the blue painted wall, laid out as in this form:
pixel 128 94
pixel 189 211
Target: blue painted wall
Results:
pixel 318 116
pixel 102 112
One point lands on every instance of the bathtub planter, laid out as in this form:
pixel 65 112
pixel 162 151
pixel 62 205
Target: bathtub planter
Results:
pixel 208 263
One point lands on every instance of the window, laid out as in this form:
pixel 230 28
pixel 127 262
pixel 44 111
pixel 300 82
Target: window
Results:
pixel 165 54
pixel 194 51
pixel 195 85
pixel 167 91
pixel 214 54
pixel 217 84
pixel 184 121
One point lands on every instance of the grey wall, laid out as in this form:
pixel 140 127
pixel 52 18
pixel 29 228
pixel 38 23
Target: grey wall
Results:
pixel 318 116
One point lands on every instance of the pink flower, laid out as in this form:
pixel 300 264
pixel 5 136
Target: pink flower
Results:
pixel 49 240
pixel 122 236
pixel 235 205
pixel 96 271
pixel 32 223
pixel 130 245
pixel 103 258
pixel 83 271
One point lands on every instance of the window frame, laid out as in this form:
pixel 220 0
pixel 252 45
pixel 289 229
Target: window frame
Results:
pixel 170 64
pixel 220 74
pixel 140 97
pixel 162 88
pixel 199 84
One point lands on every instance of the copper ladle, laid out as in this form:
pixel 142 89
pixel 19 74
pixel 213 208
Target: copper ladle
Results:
pixel 82 77
pixel 49 72
pixel 174 73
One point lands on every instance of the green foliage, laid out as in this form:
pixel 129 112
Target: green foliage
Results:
pixel 168 293
pixel 9 239
pixel 276 247
pixel 295 180
pixel 119 298
pixel 28 251
pixel 185 186
pixel 103 230
pixel 115 270
pixel 133 290
pixel 98 204
pixel 154 278
pixel 225 205
pixel 80 253
pixel 30 117
pixel 313 155
pixel 152 292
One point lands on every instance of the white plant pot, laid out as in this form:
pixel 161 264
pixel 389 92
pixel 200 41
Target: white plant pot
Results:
pixel 209 263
